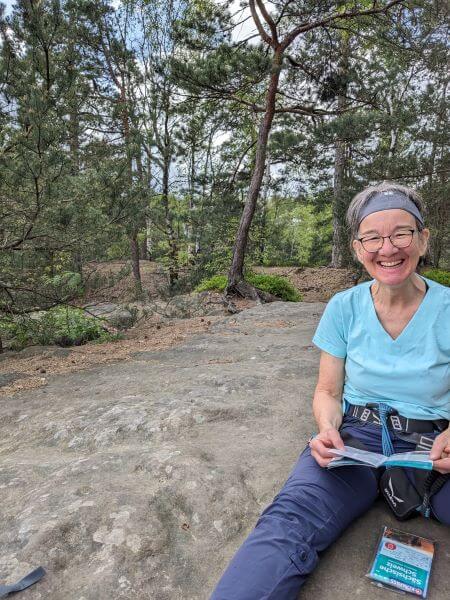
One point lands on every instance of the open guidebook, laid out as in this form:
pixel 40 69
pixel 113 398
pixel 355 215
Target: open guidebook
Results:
pixel 418 459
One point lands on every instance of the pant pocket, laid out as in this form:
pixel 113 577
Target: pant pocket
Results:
pixel 304 558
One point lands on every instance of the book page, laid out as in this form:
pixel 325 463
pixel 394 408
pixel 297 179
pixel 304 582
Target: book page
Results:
pixel 419 459
pixel 368 458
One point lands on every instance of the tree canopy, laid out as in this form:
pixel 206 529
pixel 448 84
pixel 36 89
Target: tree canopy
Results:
pixel 207 135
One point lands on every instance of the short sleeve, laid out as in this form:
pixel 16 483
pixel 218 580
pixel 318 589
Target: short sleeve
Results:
pixel 330 333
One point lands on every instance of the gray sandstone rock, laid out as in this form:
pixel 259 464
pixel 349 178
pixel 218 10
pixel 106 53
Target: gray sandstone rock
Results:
pixel 139 480
pixel 191 305
pixel 113 314
pixel 7 378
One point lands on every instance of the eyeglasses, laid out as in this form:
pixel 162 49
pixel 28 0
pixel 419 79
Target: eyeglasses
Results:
pixel 401 239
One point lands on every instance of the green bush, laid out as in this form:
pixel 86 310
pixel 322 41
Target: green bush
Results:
pixel 66 283
pixel 273 284
pixel 216 283
pixel 62 325
pixel 439 275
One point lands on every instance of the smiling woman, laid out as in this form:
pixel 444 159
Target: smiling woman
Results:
pixel 383 386
pixel 388 232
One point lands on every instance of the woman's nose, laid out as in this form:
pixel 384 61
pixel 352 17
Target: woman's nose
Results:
pixel 388 247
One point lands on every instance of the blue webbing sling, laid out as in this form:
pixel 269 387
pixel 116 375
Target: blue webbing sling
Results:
pixel 23 584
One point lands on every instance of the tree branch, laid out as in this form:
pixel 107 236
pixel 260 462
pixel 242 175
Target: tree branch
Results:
pixel 262 32
pixel 345 15
pixel 268 19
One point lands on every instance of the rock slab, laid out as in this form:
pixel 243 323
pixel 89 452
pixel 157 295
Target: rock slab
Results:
pixel 140 480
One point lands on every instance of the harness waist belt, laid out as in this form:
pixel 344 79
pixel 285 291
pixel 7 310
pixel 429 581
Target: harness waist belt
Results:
pixel 369 414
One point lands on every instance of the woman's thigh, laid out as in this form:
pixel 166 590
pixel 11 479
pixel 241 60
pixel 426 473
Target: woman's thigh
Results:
pixel 311 510
pixel 323 502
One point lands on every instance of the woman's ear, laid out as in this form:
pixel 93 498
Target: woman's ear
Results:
pixel 357 250
pixel 423 241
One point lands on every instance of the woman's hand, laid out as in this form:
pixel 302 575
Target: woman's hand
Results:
pixel 327 438
pixel 440 452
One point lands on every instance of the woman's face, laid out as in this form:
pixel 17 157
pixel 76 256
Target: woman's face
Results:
pixel 390 265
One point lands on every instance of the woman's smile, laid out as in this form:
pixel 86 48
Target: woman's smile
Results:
pixel 391 265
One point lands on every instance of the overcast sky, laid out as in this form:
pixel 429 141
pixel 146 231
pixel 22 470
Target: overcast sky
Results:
pixel 245 29
pixel 242 31
pixel 8 4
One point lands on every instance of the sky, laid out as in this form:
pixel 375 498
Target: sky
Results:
pixel 245 29
pixel 242 31
pixel 8 4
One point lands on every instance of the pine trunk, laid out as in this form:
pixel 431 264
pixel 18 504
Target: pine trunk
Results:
pixel 338 206
pixel 134 251
pixel 437 201
pixel 173 246
pixel 339 252
pixel 236 272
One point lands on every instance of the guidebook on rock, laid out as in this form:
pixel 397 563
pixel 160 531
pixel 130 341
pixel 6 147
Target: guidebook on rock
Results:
pixel 418 459
pixel 402 562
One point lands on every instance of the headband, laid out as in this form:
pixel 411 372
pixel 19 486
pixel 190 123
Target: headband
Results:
pixel 388 200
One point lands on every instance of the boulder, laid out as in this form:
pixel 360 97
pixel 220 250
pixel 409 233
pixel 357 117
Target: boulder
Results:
pixel 186 306
pixel 115 315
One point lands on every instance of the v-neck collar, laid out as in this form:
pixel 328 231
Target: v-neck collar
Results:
pixel 415 317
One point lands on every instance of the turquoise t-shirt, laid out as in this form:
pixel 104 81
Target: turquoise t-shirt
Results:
pixel 410 373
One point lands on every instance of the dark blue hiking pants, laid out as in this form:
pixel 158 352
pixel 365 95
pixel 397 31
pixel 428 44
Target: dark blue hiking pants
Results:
pixel 310 512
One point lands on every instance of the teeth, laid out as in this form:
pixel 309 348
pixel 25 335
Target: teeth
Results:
pixel 391 264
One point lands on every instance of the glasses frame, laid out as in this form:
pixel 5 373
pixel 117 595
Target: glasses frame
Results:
pixel 383 237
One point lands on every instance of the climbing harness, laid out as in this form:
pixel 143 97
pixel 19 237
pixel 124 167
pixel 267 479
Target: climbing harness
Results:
pixel 403 497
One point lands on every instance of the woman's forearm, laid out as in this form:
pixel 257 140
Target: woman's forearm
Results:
pixel 327 410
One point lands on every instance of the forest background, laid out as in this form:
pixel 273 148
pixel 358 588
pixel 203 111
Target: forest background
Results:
pixel 208 136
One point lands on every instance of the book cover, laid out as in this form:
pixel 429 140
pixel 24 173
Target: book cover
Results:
pixel 403 562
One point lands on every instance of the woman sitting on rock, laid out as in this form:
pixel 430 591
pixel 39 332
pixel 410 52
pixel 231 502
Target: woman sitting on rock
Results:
pixel 383 386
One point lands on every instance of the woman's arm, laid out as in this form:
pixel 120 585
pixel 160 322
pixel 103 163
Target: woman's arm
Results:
pixel 327 408
pixel 328 393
